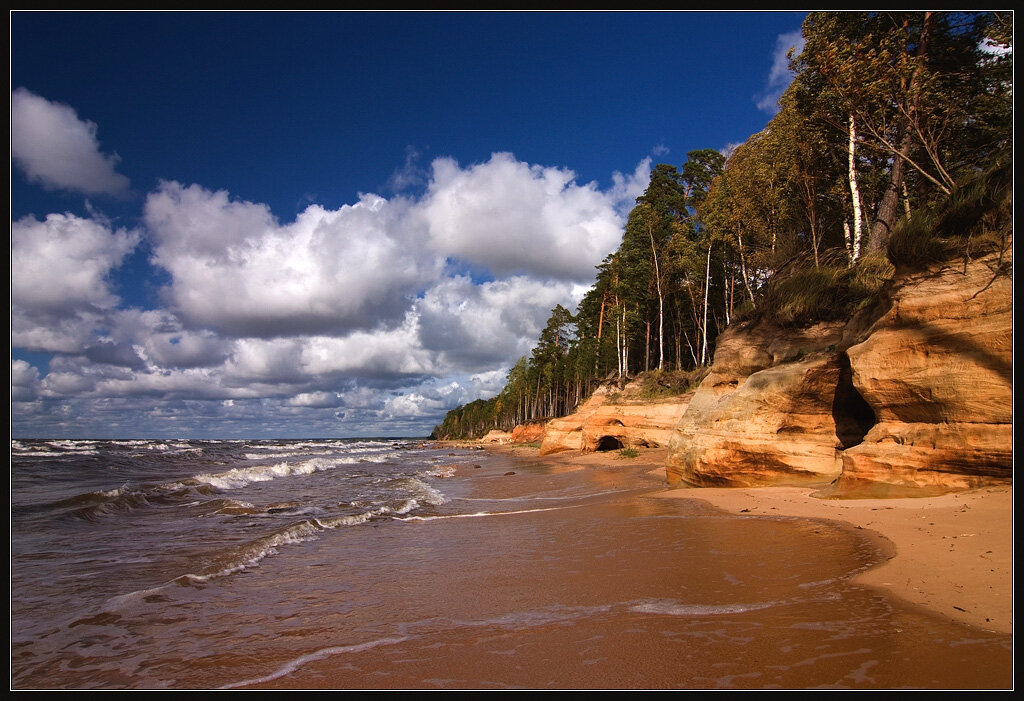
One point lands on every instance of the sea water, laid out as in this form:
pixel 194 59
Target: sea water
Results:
pixel 384 563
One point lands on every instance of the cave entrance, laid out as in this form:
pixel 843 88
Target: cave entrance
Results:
pixel 608 443
pixel 854 417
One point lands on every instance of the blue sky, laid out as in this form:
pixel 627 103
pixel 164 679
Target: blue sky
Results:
pixel 333 224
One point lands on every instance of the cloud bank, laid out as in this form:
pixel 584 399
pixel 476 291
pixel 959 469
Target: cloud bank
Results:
pixel 370 319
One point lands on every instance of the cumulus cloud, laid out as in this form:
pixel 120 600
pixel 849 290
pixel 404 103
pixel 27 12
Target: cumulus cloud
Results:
pixel 315 399
pixel 626 188
pixel 510 218
pixel 60 288
pixel 161 341
pixel 779 77
pixel 62 262
pixel 472 327
pixel 25 382
pixel 234 268
pixel 55 148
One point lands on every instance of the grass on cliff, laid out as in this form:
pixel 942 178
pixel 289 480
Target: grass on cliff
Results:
pixel 801 294
pixel 975 220
pixel 659 384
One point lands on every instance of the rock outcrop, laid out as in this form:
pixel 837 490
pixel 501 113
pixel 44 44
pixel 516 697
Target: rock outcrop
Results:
pixel 496 436
pixel 915 399
pixel 531 432
pixel 937 371
pixel 611 420
pixel 764 413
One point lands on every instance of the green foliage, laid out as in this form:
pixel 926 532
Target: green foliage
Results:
pixel 629 453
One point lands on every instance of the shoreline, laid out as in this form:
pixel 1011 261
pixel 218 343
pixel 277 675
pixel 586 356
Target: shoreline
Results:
pixel 951 555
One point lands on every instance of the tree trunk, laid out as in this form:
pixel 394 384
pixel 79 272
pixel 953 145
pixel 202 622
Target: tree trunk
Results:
pixel 854 242
pixel 707 291
pixel 885 217
pixel 743 266
pixel 661 303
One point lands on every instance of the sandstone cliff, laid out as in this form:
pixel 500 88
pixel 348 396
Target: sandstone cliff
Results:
pixel 937 371
pixel 915 397
pixel 610 420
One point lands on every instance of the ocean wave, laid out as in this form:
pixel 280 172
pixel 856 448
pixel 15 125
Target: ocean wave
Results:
pixel 420 491
pixel 441 471
pixel 245 556
pixel 239 477
pixel 92 505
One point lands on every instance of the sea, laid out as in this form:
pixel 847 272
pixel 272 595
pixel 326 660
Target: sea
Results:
pixel 405 564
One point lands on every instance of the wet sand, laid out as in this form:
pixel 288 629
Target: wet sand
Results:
pixel 951 554
pixel 633 586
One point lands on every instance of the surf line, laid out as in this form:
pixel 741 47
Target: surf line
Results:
pixel 313 657
pixel 479 514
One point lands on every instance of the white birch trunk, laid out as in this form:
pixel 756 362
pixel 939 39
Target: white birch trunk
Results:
pixel 854 195
pixel 707 290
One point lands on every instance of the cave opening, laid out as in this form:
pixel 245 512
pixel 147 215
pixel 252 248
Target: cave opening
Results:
pixel 608 443
pixel 854 417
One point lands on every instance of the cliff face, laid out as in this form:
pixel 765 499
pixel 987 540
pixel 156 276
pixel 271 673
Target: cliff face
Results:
pixel 937 371
pixel 764 413
pixel 918 401
pixel 609 420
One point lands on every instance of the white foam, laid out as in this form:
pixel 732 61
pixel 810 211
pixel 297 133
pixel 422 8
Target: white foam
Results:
pixel 442 471
pixel 670 607
pixel 239 477
pixel 318 655
pixel 112 493
pixel 479 514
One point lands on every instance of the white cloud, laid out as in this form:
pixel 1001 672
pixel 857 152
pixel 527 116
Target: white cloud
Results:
pixel 25 384
pixel 58 150
pixel 380 354
pixel 161 340
pixel 510 218
pixel 315 399
pixel 62 262
pixel 469 327
pixel 626 188
pixel 235 269
pixel 779 77
pixel 60 289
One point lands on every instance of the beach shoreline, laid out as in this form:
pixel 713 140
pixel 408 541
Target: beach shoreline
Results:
pixel 951 555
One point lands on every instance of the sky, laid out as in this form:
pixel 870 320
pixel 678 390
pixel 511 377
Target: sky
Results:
pixel 334 224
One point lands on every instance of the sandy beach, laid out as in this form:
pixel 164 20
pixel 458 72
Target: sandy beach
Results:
pixel 951 554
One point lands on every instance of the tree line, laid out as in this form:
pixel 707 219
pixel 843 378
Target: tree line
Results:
pixel 889 116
